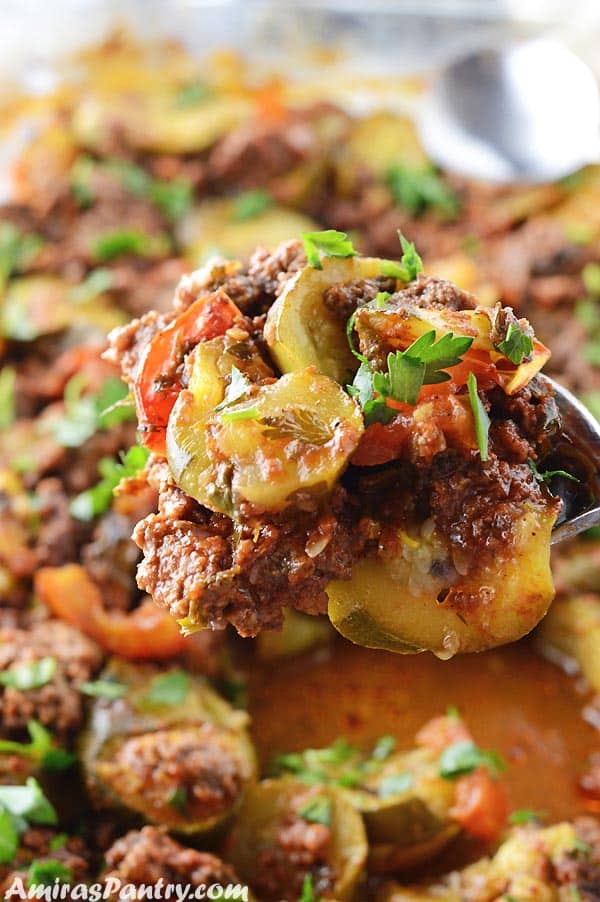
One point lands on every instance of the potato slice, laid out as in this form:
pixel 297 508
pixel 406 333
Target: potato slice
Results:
pixel 301 331
pixel 212 228
pixel 155 123
pixel 497 603
pixel 384 138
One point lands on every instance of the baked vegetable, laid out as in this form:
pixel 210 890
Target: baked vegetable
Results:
pixel 286 832
pixel 572 629
pixel 167 748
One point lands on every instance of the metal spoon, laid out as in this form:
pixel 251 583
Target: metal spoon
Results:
pixel 527 112
pixel 584 431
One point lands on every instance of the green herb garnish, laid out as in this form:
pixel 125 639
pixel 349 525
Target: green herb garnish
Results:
pixel 383 748
pixel 17 250
pixel 409 266
pixel 329 242
pixel 242 413
pixel 40 749
pixel 517 345
pixel 85 414
pixel 423 363
pixel 178 799
pixel 380 299
pixel 251 204
pixel 591 278
pixel 95 501
pixel 169 689
pixel 308 894
pixel 96 282
pixel 30 675
pixel 525 816
pixel 47 873
pixel 464 757
pixel 317 810
pixel 548 475
pixel 420 189
pixel 8 397
pixel 480 416
pixel 130 242
pixel 103 689
pixel 192 94
pixel 396 784
pixel 19 807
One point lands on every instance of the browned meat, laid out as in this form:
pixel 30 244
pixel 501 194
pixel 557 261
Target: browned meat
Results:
pixel 128 343
pixel 143 857
pixel 301 848
pixel 35 845
pixel 58 704
pixel 58 534
pixel 192 565
pixel 343 299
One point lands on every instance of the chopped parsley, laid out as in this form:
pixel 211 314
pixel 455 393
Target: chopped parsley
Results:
pixel 243 413
pixel 85 414
pixel 308 893
pixel 419 189
pixel 238 388
pixel 317 810
pixel 464 757
pixel 30 675
pixel 17 250
pixel 251 204
pixel 517 345
pixel 329 242
pixel 48 873
pixel 591 278
pixel 103 689
pixel 525 816
pixel 410 264
pixel 422 363
pixel 95 501
pixel 383 748
pixel 548 475
pixel 192 94
pixel 480 416
pixel 96 282
pixel 178 799
pixel 381 298
pixel 116 243
pixel 8 396
pixel 58 842
pixel 395 784
pixel 173 197
pixel 40 749
pixel 21 806
pixel 168 689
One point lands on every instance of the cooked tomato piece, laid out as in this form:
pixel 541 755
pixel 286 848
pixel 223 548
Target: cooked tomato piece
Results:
pixel 158 381
pixel 481 806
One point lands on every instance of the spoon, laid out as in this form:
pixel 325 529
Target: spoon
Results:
pixel 583 430
pixel 527 112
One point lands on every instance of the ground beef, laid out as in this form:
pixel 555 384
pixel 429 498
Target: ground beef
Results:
pixel 343 299
pixel 35 845
pixel 195 761
pixel 127 343
pixel 192 566
pixel 58 534
pixel 143 857
pixel 58 705
pixel 429 292
pixel 300 848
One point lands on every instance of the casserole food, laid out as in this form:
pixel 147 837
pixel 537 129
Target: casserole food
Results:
pixel 125 187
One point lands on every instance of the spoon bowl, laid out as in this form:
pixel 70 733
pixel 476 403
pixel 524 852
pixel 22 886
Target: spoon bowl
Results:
pixel 527 112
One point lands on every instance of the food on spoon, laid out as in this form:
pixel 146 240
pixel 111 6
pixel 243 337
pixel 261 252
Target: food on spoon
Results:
pixel 167 748
pixel 379 443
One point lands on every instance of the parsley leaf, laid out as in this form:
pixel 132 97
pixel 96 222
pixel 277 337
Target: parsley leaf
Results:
pixel 464 757
pixel 380 298
pixel 178 799
pixel 251 204
pixel 9 836
pixel 8 397
pixel 525 816
pixel 482 420
pixel 395 784
pixel 45 873
pixel 329 242
pixel 103 689
pixel 422 363
pixel 383 748
pixel 96 282
pixel 548 475
pixel 40 749
pixel 17 250
pixel 238 388
pixel 95 501
pixel 30 675
pixel 420 189
pixel 28 803
pixel 85 414
pixel 192 94
pixel 169 688
pixel 591 278
pixel 132 242
pixel 308 894
pixel 317 810
pixel 243 413
pixel 409 266
pixel 516 345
